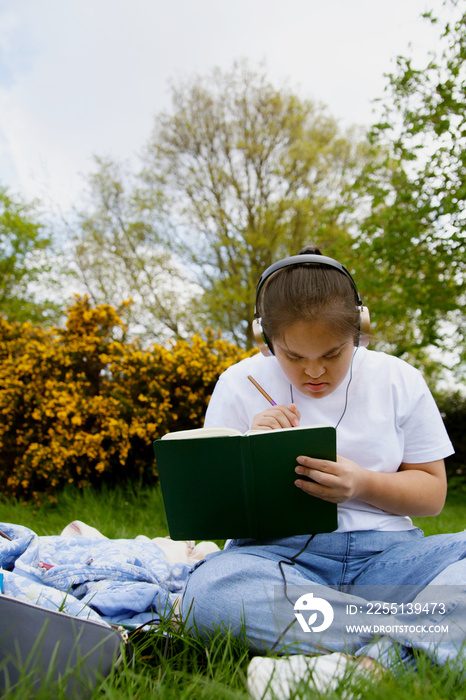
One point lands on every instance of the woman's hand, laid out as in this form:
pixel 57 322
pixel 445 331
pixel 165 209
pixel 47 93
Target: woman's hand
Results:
pixel 277 417
pixel 414 489
pixel 332 481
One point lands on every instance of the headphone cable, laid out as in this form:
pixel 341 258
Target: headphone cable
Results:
pixel 291 561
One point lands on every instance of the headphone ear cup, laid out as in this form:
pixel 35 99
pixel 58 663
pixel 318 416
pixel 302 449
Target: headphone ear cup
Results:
pixel 260 338
pixel 364 326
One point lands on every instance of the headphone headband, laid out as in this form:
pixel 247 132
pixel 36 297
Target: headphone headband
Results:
pixel 306 259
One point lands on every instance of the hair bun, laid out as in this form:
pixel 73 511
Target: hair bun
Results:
pixel 310 249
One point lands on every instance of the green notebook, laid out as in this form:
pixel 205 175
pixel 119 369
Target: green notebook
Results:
pixel 218 483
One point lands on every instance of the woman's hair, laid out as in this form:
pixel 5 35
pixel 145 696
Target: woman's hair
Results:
pixel 309 293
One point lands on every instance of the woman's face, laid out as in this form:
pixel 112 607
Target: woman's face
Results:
pixel 314 358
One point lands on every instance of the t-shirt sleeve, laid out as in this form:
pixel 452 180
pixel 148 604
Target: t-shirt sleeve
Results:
pixel 426 438
pixel 225 409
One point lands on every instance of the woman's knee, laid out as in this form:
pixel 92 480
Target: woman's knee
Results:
pixel 217 590
pixel 200 603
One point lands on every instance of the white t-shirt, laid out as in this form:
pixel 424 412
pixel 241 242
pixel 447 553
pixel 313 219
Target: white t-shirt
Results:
pixel 390 418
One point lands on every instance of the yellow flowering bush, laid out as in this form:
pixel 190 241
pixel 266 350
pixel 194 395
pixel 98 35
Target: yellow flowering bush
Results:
pixel 81 404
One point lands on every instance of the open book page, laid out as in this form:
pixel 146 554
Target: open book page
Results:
pixel 201 433
pixel 224 432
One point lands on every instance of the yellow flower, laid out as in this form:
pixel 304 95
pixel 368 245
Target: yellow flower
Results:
pixel 77 405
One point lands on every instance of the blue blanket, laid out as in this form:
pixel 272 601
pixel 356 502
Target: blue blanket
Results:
pixel 125 582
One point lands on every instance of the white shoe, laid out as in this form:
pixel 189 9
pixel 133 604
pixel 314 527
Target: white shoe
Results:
pixel 276 678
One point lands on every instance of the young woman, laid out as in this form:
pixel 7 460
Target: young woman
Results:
pixel 391 445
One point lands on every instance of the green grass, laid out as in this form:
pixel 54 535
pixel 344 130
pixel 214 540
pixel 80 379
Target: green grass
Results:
pixel 178 666
pixel 118 512
pixel 451 519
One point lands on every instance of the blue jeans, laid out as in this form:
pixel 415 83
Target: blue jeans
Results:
pixel 243 588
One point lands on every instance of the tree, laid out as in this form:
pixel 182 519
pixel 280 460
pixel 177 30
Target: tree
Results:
pixel 23 243
pixel 119 254
pixel 252 173
pixel 414 238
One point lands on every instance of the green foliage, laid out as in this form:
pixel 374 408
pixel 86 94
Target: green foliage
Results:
pixel 119 253
pixel 252 173
pixel 453 410
pixel 22 242
pixel 240 173
pixel 414 239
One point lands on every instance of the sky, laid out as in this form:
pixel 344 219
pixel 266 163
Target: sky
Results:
pixel 85 77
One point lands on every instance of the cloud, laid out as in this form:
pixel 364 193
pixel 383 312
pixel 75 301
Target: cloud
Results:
pixel 87 76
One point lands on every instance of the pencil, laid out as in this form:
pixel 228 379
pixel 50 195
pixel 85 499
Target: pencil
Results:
pixel 264 393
